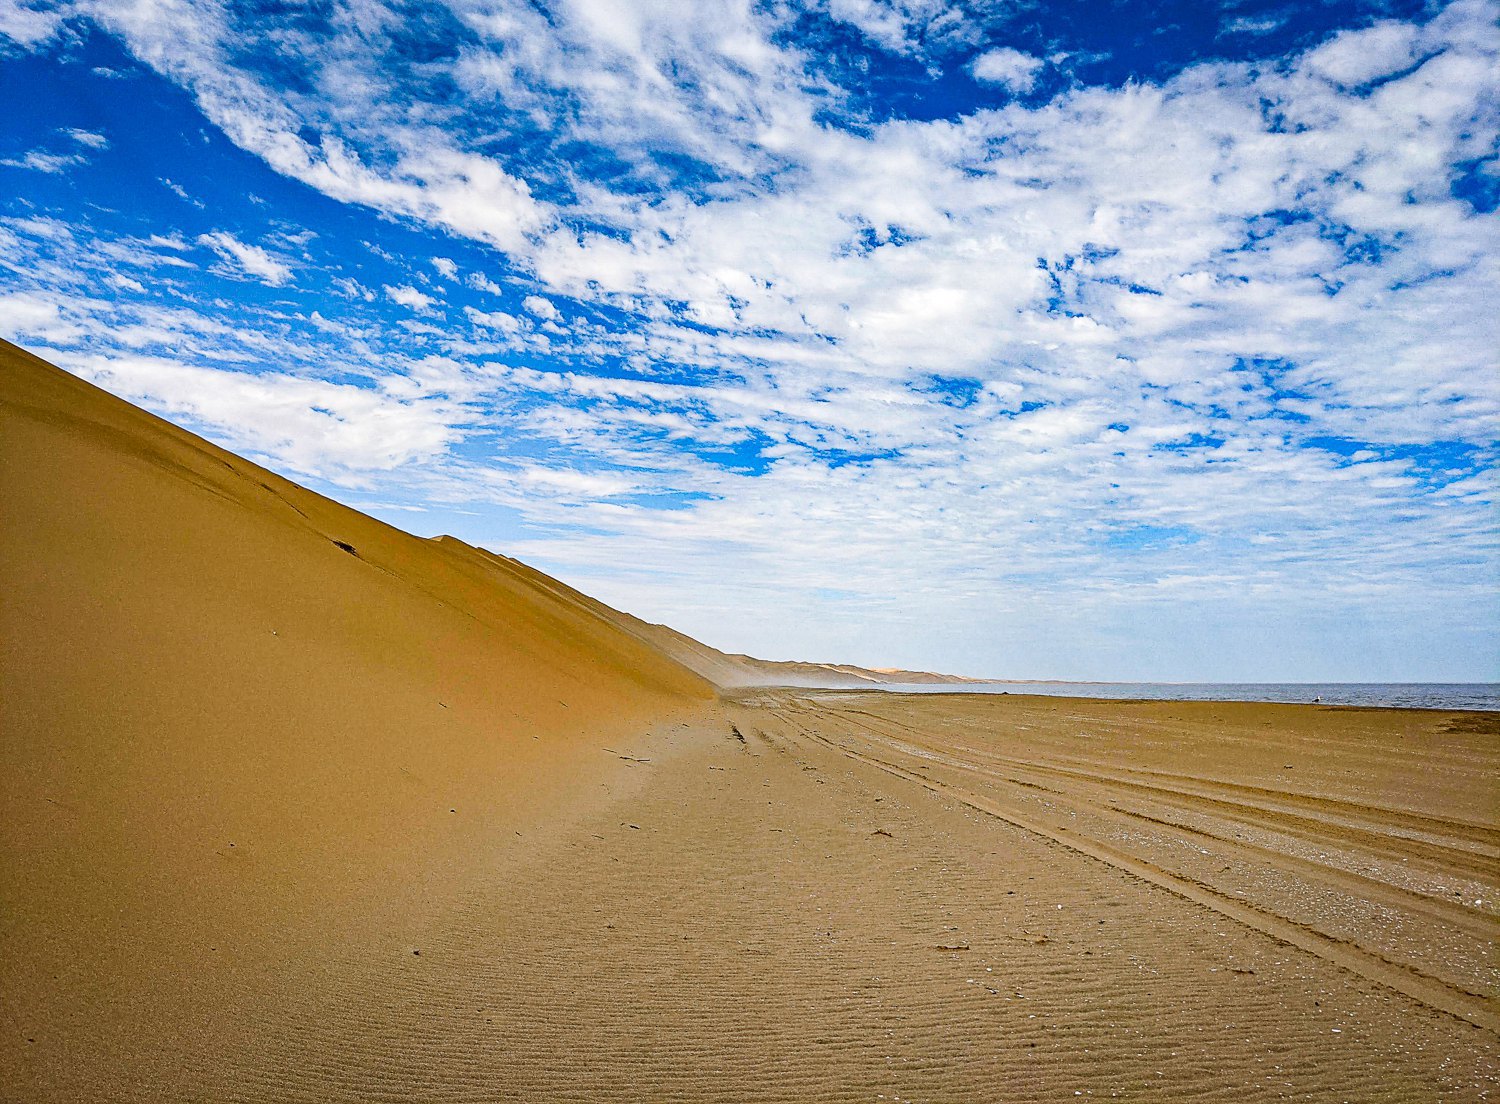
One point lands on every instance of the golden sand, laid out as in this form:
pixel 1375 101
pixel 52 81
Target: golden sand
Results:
pixel 299 807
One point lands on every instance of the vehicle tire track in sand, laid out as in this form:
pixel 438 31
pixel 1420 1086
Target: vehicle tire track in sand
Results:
pixel 1426 989
pixel 1102 795
pixel 1476 841
pixel 1442 842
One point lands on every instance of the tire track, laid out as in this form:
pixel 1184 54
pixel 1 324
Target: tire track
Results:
pixel 1425 989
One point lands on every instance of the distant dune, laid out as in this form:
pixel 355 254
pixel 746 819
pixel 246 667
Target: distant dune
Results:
pixel 724 670
pixel 298 807
pixel 732 670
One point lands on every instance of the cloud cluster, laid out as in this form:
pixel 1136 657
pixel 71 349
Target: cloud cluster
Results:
pixel 1222 342
pixel 57 156
pixel 28 23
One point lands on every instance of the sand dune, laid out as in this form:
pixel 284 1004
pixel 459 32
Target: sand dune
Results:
pixel 732 670
pixel 242 722
pixel 302 808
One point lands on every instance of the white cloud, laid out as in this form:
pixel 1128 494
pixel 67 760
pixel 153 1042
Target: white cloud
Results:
pixel 1253 26
pixel 446 268
pixel 312 425
pixel 410 297
pixel 352 289
pixel 542 308
pixel 244 259
pixel 910 27
pixel 428 178
pixel 494 320
pixel 43 161
pixel 1354 58
pixel 480 282
pixel 1007 67
pixel 181 193
pixel 30 317
pixel 89 138
pixel 30 25
pixel 50 161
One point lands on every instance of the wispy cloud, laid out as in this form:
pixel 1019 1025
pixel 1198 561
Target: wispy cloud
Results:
pixel 543 308
pixel 73 148
pixel 1253 25
pixel 89 138
pixel 312 425
pixel 43 161
pixel 248 260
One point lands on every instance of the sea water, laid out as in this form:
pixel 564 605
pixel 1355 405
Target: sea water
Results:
pixel 1404 695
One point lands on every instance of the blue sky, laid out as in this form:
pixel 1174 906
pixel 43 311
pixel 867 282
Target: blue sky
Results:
pixel 1091 340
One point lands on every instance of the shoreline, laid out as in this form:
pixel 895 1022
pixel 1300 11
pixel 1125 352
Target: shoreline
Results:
pixel 1488 692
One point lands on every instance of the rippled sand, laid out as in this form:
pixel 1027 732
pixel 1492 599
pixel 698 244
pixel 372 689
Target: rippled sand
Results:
pixel 964 898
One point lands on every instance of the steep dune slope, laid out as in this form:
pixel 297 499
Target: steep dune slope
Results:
pixel 249 732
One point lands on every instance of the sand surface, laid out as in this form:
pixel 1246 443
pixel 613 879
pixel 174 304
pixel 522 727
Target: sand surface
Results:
pixel 289 822
pixel 835 909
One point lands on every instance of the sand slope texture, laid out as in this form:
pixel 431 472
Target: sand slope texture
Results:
pixel 247 731
pixel 301 808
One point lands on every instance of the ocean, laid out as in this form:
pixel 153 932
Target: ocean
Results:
pixel 1404 695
